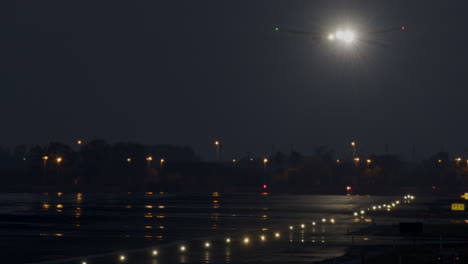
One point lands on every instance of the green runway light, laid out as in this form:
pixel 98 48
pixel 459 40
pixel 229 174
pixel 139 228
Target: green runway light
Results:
pixel 276 28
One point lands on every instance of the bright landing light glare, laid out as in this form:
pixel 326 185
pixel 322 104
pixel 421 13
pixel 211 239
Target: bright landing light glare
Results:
pixel 348 37
pixel 345 36
pixel 339 34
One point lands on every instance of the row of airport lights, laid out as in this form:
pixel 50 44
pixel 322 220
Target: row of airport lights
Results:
pixel 388 207
pixel 207 245
pixel 244 240
pixel 408 198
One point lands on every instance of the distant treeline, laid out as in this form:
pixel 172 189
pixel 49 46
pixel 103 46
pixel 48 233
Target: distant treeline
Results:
pixel 98 166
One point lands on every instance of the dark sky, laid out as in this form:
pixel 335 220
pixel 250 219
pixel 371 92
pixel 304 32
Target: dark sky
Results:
pixel 189 72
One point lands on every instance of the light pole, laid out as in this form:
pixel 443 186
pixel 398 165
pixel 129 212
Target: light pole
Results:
pixel 218 150
pixel 128 174
pixel 368 161
pixel 58 160
pixel 161 164
pixel 265 162
pixel 149 159
pixel 355 180
pixel 79 142
pixel 356 161
pixel 44 160
pixel 218 159
pixel 457 171
pixel 353 146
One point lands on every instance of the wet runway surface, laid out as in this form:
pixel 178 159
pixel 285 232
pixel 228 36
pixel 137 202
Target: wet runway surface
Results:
pixel 98 228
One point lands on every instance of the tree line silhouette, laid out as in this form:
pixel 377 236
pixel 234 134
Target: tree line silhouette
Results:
pixel 98 166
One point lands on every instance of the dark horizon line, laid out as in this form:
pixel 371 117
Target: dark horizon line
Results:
pixel 273 152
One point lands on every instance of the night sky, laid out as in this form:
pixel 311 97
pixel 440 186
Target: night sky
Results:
pixel 189 72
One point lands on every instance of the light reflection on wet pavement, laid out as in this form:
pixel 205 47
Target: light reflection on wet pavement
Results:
pixel 135 225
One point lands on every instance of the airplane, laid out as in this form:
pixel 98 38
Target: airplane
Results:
pixel 347 36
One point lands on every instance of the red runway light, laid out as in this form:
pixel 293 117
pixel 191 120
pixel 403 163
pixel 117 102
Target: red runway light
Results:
pixel 403 28
pixel 264 186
